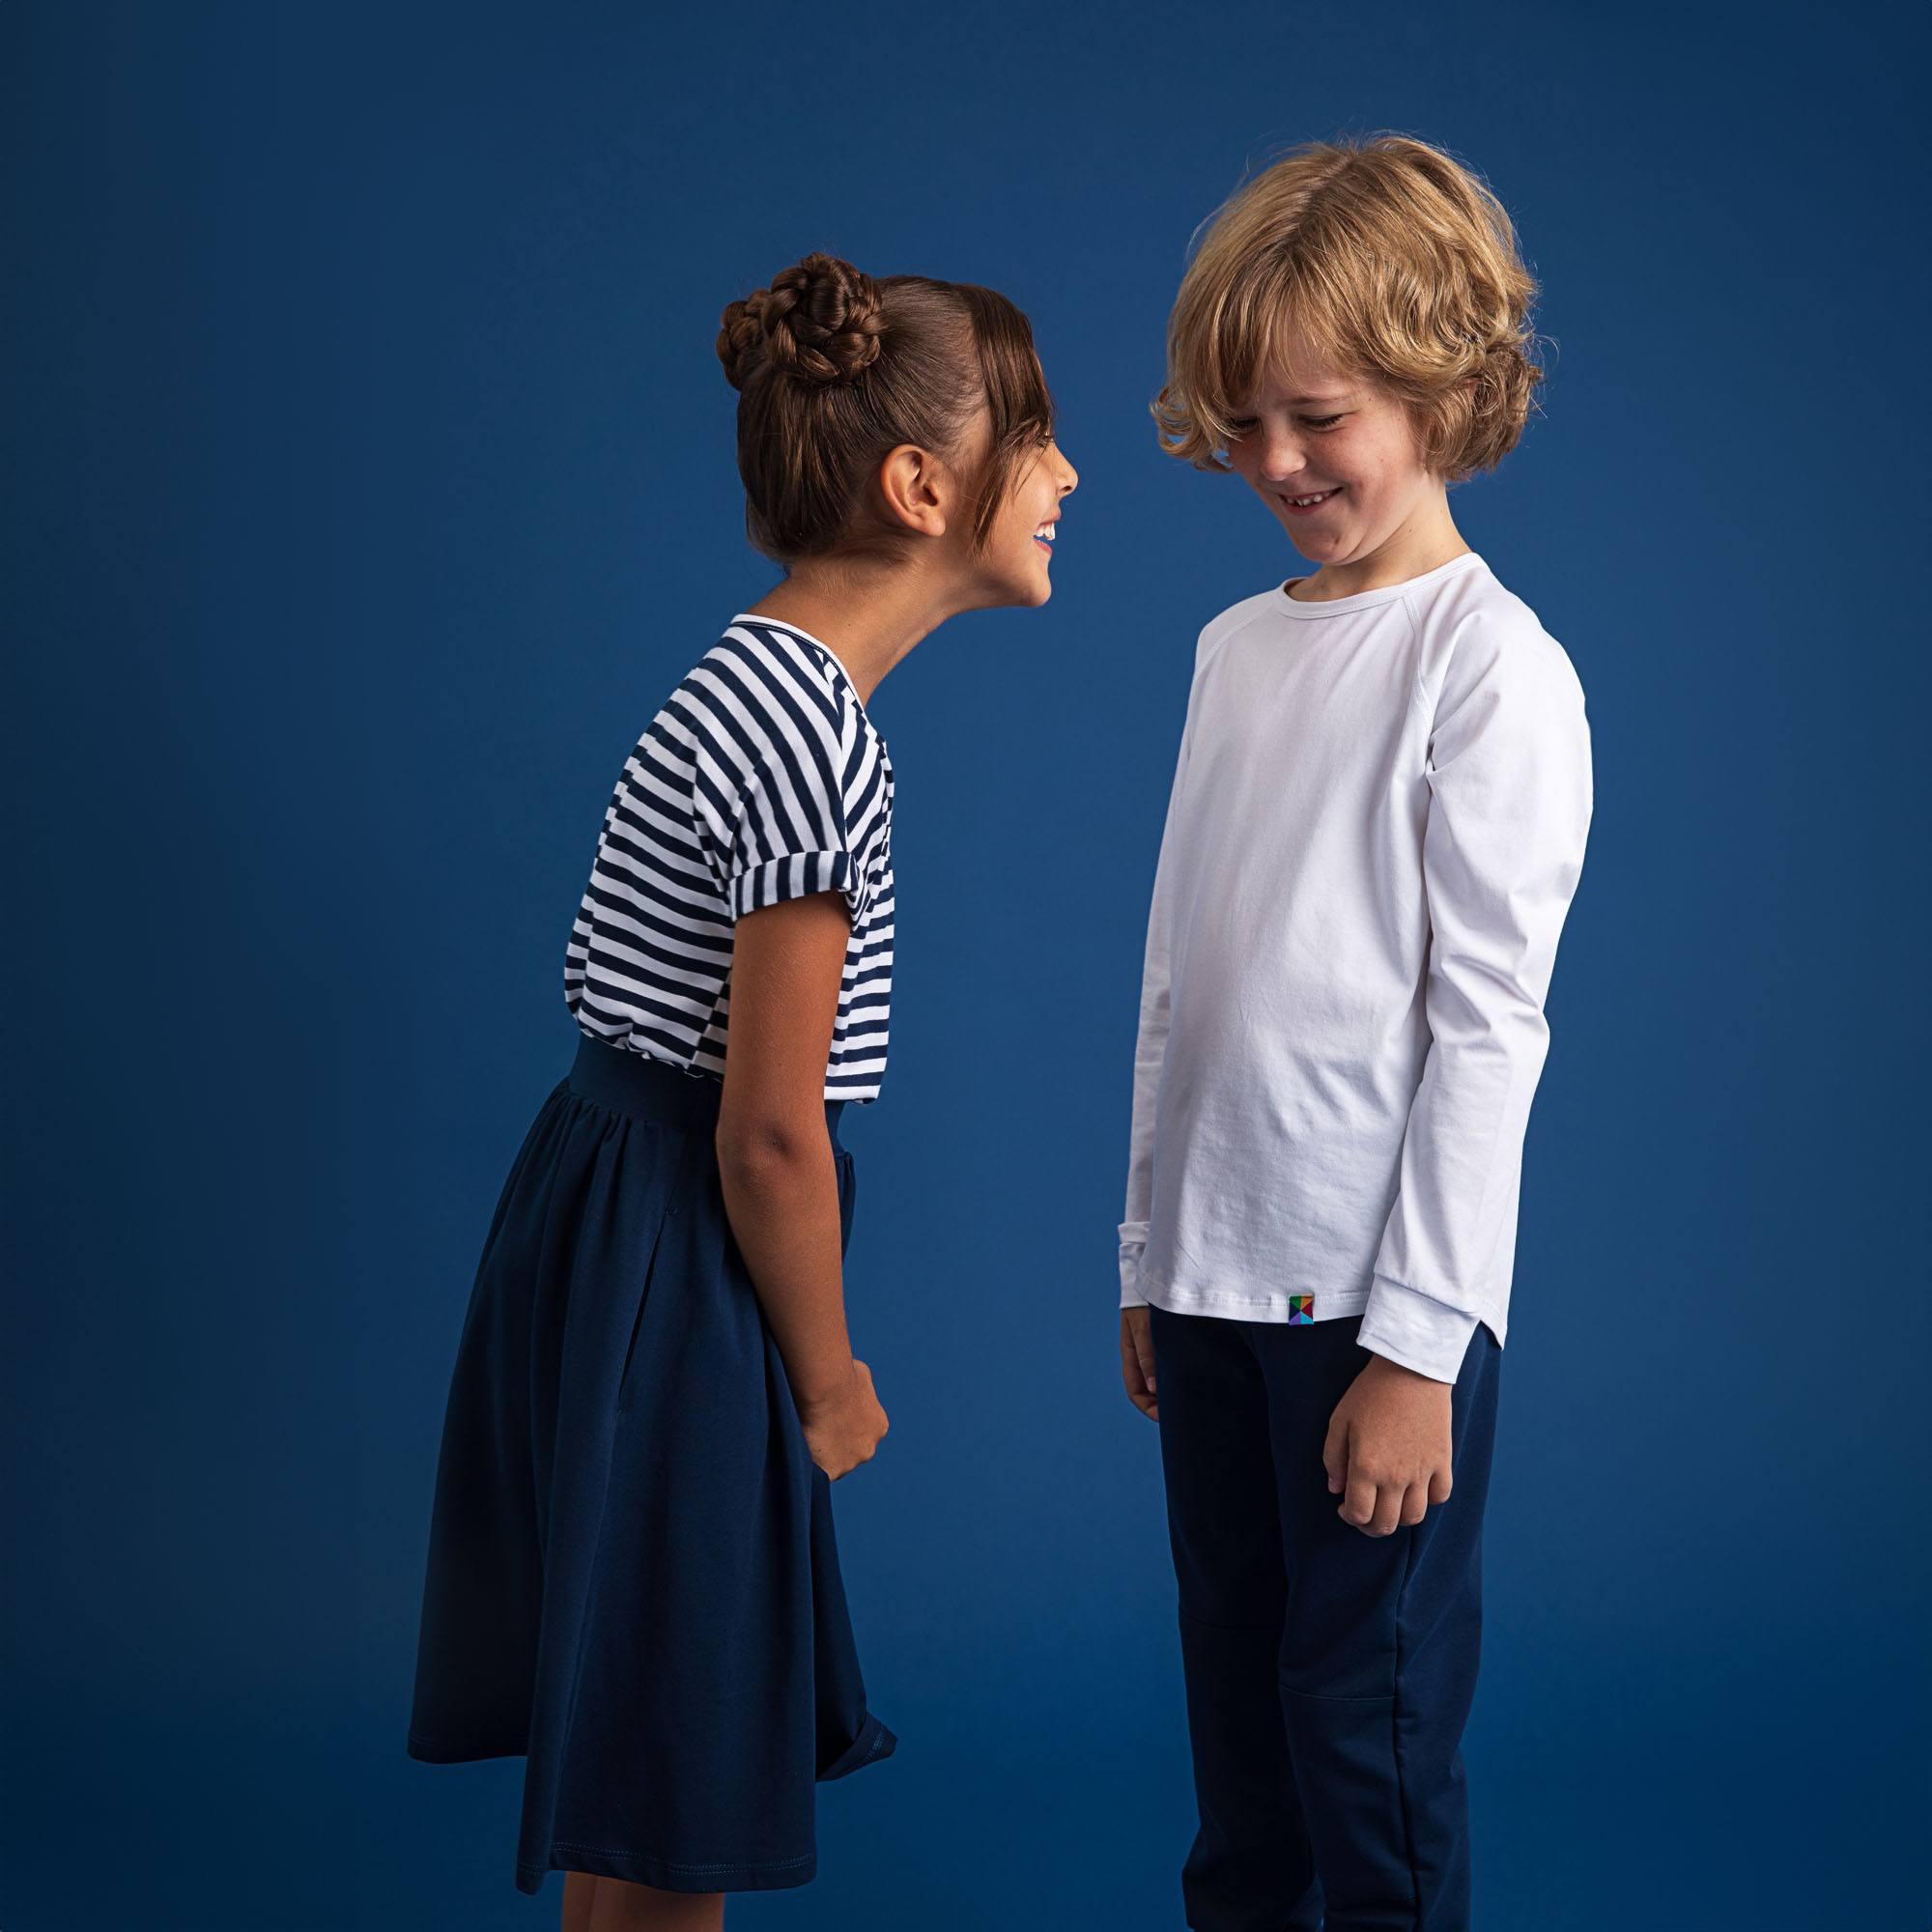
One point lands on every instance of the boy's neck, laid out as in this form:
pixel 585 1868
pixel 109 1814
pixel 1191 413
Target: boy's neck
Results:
pixel 1410 551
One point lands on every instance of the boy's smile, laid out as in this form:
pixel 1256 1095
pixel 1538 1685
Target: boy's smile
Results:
pixel 1303 506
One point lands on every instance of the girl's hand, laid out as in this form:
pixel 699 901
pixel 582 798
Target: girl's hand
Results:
pixel 1389 1447
pixel 1137 1360
pixel 842 1430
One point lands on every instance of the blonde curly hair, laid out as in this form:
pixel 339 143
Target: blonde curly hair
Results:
pixel 1395 263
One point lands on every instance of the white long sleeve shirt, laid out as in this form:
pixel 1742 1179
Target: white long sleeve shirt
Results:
pixel 1376 824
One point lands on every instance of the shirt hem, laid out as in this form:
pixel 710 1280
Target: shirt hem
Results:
pixel 1331 1304
pixel 1268 1305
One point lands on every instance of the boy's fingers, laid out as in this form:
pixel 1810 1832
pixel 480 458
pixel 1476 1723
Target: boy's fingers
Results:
pixel 1145 1350
pixel 1134 1374
pixel 1414 1504
pixel 1335 1458
pixel 1358 1506
pixel 1439 1484
pixel 1388 1509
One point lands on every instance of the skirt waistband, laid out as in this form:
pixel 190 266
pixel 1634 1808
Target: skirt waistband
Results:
pixel 654 1089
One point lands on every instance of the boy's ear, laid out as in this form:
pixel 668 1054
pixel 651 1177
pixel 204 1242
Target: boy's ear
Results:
pixel 911 481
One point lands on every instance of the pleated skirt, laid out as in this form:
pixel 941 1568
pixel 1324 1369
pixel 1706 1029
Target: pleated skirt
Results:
pixel 632 1575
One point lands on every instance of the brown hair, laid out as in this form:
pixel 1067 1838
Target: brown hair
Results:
pixel 835 369
pixel 1397 263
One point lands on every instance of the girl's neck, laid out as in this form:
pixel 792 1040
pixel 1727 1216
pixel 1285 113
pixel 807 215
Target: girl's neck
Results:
pixel 869 618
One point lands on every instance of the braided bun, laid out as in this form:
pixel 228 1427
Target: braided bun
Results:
pixel 820 321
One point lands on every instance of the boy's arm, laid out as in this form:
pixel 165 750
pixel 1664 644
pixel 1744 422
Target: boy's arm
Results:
pixel 1509 811
pixel 1151 1041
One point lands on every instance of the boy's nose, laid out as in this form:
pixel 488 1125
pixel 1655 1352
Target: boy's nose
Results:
pixel 1282 464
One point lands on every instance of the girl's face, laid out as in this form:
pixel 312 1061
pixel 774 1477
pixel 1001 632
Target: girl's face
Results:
pixel 1015 566
pixel 1311 432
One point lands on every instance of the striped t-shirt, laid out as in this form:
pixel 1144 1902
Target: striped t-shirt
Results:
pixel 761 779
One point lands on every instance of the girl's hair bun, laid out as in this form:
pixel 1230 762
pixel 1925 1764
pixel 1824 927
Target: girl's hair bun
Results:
pixel 820 321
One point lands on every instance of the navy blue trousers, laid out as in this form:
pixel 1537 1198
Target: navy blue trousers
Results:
pixel 1328 1673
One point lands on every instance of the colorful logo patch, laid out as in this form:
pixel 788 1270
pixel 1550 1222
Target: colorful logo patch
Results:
pixel 1300 1308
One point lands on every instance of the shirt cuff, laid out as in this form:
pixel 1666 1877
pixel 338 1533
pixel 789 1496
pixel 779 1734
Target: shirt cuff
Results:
pixel 1133 1241
pixel 1415 1330
pixel 794 875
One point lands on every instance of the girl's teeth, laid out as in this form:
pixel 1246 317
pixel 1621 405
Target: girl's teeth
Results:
pixel 1302 501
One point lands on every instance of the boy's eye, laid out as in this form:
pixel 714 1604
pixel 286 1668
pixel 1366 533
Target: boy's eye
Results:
pixel 1245 425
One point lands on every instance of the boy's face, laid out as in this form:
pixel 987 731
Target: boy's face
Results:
pixel 1311 430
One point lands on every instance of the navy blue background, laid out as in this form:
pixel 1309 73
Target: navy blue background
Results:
pixel 369 481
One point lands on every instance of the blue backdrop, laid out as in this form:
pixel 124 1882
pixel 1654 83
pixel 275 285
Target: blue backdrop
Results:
pixel 370 481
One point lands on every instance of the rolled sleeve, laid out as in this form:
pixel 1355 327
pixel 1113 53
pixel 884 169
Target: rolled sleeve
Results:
pixel 794 875
pixel 790 836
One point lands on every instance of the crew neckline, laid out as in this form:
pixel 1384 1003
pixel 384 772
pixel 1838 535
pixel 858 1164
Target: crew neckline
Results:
pixel 1362 600
pixel 799 631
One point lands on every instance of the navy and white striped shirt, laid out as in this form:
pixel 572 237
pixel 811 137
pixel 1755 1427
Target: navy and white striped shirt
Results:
pixel 761 779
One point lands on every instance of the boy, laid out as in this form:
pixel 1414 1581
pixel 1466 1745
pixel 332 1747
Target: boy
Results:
pixel 1376 824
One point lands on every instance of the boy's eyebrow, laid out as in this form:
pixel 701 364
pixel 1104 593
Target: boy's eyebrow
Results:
pixel 1296 402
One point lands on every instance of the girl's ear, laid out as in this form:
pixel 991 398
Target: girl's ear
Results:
pixel 913 483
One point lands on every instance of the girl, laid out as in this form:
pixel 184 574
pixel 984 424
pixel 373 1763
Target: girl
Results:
pixel 631 1572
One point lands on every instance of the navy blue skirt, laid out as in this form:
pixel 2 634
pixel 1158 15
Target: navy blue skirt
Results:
pixel 632 1574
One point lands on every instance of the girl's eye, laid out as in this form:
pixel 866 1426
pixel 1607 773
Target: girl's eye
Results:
pixel 1242 426
pixel 1321 422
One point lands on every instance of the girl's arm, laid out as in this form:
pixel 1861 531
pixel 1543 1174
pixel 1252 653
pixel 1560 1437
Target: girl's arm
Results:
pixel 776 1167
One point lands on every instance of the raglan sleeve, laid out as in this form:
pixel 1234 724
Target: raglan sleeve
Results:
pixel 802 811
pixel 1151 1035
pixel 1510 800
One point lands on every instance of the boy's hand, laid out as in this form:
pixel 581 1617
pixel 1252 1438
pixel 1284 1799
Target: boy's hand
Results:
pixel 1389 1447
pixel 1137 1360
